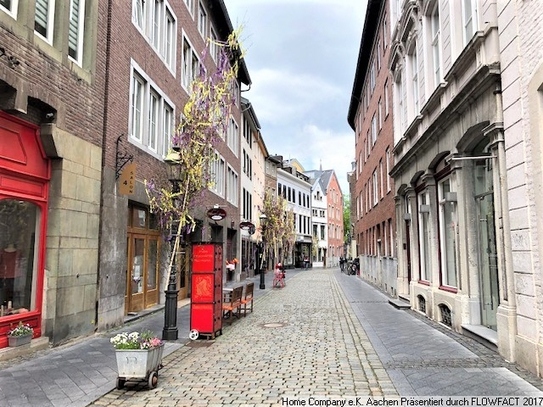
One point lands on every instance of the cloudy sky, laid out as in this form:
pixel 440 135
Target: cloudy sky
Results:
pixel 301 56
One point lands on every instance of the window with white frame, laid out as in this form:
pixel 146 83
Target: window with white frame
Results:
pixel 414 80
pixel 385 95
pixel 190 5
pixel 218 175
pixel 76 30
pixel 436 46
pixel 373 129
pixel 157 23
pixel 138 13
pixel 44 19
pixel 232 186
pixel 425 247
pixel 381 181
pixel 151 115
pixel 372 76
pixel 232 136
pixel 469 14
pixel 387 156
pixel 10 7
pixel 191 65
pixel 375 185
pixel 391 240
pixel 380 113
pixel 447 226
pixel 213 45
pixel 202 20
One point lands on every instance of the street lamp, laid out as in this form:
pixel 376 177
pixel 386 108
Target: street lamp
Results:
pixel 260 251
pixel 170 331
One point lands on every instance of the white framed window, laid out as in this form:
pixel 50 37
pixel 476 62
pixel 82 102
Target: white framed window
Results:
pixel 202 20
pixel 10 7
pixel 153 125
pixel 232 136
pixel 138 13
pixel 218 176
pixel 372 76
pixel 425 247
pixel 436 46
pixel 191 66
pixel 232 187
pixel 469 18
pixel 170 29
pixel 44 19
pixel 76 30
pixel 387 166
pixel 167 128
pixel 190 6
pixel 381 181
pixel 415 81
pixel 373 130
pixel 380 113
pixel 156 31
pixel 385 95
pixel 137 100
pixel 213 45
pixel 151 117
pixel 375 185
pixel 447 231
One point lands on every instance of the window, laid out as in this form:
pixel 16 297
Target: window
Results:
pixel 151 115
pixel 372 76
pixel 213 47
pixel 169 40
pixel 447 226
pixel 375 185
pixel 385 95
pixel 232 187
pixel 415 81
pixel 190 5
pixel 157 23
pixel 387 153
pixel 373 130
pixel 202 20
pixel 232 136
pixel 425 246
pixel 323 230
pixel 380 113
pixel 137 98
pixel 9 6
pixel 190 66
pixel 469 19
pixel 436 52
pixel 217 175
pixel 76 30
pixel 138 13
pixel 381 183
pixel 44 19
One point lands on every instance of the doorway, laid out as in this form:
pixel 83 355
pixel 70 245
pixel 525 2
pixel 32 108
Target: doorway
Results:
pixel 488 258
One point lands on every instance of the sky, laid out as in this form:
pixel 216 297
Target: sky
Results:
pixel 301 56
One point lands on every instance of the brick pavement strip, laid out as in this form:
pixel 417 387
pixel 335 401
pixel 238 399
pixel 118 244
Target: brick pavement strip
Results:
pixel 301 341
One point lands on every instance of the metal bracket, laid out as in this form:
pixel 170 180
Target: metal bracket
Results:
pixel 121 159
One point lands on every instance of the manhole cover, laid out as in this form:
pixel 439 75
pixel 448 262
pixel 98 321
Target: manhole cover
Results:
pixel 274 325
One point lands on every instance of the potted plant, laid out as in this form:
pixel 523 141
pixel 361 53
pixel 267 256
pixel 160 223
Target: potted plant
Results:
pixel 20 335
pixel 139 355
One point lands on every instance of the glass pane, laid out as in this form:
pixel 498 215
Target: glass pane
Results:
pixel 138 218
pixel 19 222
pixel 137 266
pixel 152 265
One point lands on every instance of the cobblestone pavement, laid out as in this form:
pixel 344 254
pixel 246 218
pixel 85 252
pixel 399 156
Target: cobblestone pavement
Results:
pixel 302 341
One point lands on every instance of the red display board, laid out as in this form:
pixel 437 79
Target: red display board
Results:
pixel 206 294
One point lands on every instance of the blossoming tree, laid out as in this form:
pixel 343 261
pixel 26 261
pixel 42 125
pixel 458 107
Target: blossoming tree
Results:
pixel 206 117
pixel 279 232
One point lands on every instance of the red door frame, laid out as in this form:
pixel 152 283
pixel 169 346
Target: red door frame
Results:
pixel 25 172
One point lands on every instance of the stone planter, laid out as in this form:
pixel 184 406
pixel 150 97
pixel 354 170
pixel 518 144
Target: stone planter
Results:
pixel 19 340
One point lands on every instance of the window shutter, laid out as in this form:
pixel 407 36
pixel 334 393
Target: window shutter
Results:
pixel 73 33
pixel 40 25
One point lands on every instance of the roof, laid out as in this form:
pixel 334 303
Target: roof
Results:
pixel 371 24
pixel 224 28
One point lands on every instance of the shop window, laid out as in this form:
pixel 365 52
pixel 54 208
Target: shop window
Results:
pixel 422 303
pixel 19 222
pixel 447 218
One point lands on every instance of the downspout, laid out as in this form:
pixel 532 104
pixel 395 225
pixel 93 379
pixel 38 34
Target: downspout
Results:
pixel 104 149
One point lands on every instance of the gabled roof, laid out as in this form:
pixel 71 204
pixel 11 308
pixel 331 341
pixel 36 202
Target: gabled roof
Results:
pixel 224 28
pixel 371 24
pixel 323 178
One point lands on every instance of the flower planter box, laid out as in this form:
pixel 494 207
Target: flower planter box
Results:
pixel 139 363
pixel 14 341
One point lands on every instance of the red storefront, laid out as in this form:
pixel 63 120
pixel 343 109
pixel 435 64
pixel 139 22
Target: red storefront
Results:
pixel 25 172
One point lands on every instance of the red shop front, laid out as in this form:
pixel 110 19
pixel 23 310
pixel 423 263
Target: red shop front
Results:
pixel 25 172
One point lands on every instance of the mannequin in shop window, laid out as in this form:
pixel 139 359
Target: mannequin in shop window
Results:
pixel 8 273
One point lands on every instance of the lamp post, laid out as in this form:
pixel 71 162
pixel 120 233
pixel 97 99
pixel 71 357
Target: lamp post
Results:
pixel 260 251
pixel 170 331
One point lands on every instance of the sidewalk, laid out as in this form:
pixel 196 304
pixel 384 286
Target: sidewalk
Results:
pixel 325 334
pixel 78 373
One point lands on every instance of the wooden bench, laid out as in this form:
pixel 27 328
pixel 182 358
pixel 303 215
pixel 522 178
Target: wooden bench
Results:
pixel 231 305
pixel 248 297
